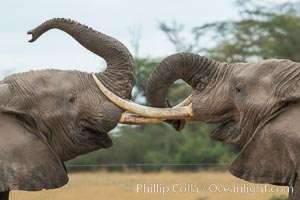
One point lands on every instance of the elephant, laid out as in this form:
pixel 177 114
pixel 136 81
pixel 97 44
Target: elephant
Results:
pixel 50 116
pixel 256 104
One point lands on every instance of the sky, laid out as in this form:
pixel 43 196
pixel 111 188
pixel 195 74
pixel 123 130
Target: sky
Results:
pixel 57 50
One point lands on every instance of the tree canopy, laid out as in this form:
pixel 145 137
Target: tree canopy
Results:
pixel 264 31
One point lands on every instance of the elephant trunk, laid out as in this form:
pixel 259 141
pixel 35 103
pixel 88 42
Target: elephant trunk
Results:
pixel 120 73
pixel 196 70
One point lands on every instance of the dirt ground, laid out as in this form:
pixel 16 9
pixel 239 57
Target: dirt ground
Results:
pixel 149 186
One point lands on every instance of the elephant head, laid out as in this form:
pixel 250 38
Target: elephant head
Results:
pixel 50 116
pixel 256 103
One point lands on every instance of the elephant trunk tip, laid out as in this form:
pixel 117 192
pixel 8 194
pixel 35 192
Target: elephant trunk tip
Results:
pixel 33 38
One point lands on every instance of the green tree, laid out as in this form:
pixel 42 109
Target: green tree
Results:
pixel 145 66
pixel 264 31
pixel 281 197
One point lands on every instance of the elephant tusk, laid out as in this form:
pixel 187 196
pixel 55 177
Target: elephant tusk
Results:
pixel 127 118
pixel 134 119
pixel 145 111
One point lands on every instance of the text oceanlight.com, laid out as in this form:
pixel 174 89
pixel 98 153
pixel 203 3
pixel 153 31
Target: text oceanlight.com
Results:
pixel 251 189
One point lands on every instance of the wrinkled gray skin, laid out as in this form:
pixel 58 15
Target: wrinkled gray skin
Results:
pixel 257 104
pixel 50 116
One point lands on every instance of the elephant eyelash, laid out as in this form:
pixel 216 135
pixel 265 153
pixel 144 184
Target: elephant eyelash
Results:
pixel 72 99
pixel 237 89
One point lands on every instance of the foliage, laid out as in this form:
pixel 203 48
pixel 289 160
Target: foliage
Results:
pixel 178 91
pixel 158 147
pixel 281 197
pixel 264 31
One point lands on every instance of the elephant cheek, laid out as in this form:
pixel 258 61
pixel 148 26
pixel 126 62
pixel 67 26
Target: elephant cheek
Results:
pixel 227 133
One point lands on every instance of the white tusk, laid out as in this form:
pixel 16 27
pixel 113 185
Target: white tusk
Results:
pixel 145 111
pixel 134 119
pixel 127 118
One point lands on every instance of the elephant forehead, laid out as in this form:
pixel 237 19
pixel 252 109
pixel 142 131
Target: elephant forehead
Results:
pixel 52 79
pixel 42 83
pixel 256 70
pixel 41 87
pixel 256 74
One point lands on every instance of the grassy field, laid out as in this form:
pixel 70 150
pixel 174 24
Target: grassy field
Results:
pixel 122 186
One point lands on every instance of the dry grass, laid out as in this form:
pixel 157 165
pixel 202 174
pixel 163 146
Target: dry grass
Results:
pixel 103 185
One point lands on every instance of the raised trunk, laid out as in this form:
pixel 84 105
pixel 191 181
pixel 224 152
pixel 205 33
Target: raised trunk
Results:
pixel 120 73
pixel 196 70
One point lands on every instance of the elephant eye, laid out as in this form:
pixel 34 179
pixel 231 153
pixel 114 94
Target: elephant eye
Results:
pixel 237 89
pixel 72 98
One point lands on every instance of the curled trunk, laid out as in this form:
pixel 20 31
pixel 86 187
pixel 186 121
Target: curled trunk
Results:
pixel 196 70
pixel 120 73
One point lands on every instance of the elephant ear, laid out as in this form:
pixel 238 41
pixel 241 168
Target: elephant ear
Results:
pixel 26 162
pixel 272 155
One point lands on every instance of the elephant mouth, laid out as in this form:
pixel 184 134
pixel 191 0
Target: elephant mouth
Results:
pixel 223 126
pixel 224 131
pixel 227 124
pixel 90 131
